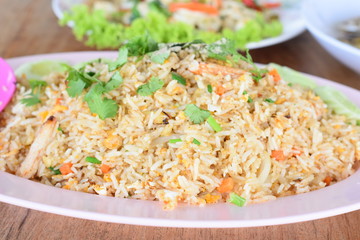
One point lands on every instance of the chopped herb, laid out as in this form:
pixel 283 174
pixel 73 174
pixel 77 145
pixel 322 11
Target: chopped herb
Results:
pixel 60 129
pixel 78 81
pixel 160 56
pixel 149 88
pixel 55 171
pixel 103 107
pixel 121 59
pixel 236 199
pixel 250 100
pixel 290 84
pixel 156 5
pixel 244 93
pixel 36 83
pixel 75 88
pixel 215 125
pixel 178 78
pixel 269 100
pixel 221 49
pixel 92 160
pixel 195 141
pixel 141 45
pixel 196 114
pixel 175 140
pixel 257 73
pixel 91 74
pixel 31 100
pixel 114 82
pixel 209 88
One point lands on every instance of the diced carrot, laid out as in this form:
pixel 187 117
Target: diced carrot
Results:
pixel 327 180
pixel 278 155
pixel 226 185
pixel 194 6
pixel 105 168
pixel 272 5
pixel 220 90
pixel 275 75
pixel 58 101
pixel 65 169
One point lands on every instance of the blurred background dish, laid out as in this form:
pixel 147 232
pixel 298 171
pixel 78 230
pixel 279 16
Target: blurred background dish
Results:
pixel 249 28
pixel 322 19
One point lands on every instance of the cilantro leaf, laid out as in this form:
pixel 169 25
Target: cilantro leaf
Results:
pixel 36 83
pixel 103 107
pixel 149 88
pixel 141 45
pixel 196 114
pixel 32 100
pixel 114 82
pixel 178 78
pixel 120 61
pixel 160 56
pixel 75 88
pixel 221 49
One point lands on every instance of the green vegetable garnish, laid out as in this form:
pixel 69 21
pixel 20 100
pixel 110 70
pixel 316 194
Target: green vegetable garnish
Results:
pixel 178 78
pixel 55 171
pixel 244 93
pixel 141 45
pixel 92 160
pixel 102 106
pixel 236 199
pixel 269 100
pixel 250 100
pixel 156 5
pixel 215 125
pixel 114 82
pixel 160 56
pixel 120 61
pixel 175 140
pixel 149 88
pixel 34 97
pixel 195 141
pixel 196 114
pixel 135 11
pixel 209 88
pixel 290 84
pixel 60 129
pixel 338 102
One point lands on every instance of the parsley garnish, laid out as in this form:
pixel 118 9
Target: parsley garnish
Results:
pixel 196 114
pixel 92 160
pixel 34 97
pixel 121 59
pixel 160 56
pixel 269 100
pixel 149 88
pixel 209 88
pixel 178 78
pixel 195 141
pixel 55 171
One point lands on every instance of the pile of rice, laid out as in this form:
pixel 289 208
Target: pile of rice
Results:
pixel 320 148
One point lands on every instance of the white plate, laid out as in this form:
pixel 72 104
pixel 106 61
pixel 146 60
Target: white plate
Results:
pixel 339 198
pixel 290 17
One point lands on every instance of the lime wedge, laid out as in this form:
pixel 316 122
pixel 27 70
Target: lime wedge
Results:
pixel 338 102
pixel 291 76
pixel 37 70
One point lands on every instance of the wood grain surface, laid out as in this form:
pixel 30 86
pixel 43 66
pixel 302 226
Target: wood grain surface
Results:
pixel 29 27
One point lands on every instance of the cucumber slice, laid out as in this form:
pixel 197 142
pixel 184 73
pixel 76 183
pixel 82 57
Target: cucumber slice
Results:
pixel 338 102
pixel 291 76
pixel 37 70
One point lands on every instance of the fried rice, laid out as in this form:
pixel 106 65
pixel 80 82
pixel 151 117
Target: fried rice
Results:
pixel 292 144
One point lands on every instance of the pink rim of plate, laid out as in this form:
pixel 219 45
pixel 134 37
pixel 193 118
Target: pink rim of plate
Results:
pixel 7 83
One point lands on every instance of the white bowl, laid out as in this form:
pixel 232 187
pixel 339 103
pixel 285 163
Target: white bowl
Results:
pixel 321 17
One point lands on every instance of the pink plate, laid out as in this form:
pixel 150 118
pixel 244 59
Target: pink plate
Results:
pixel 336 199
pixel 7 83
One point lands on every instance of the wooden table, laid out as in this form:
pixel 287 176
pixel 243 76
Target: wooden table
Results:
pixel 29 27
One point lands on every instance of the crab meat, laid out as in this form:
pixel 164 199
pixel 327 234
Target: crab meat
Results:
pixel 30 165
